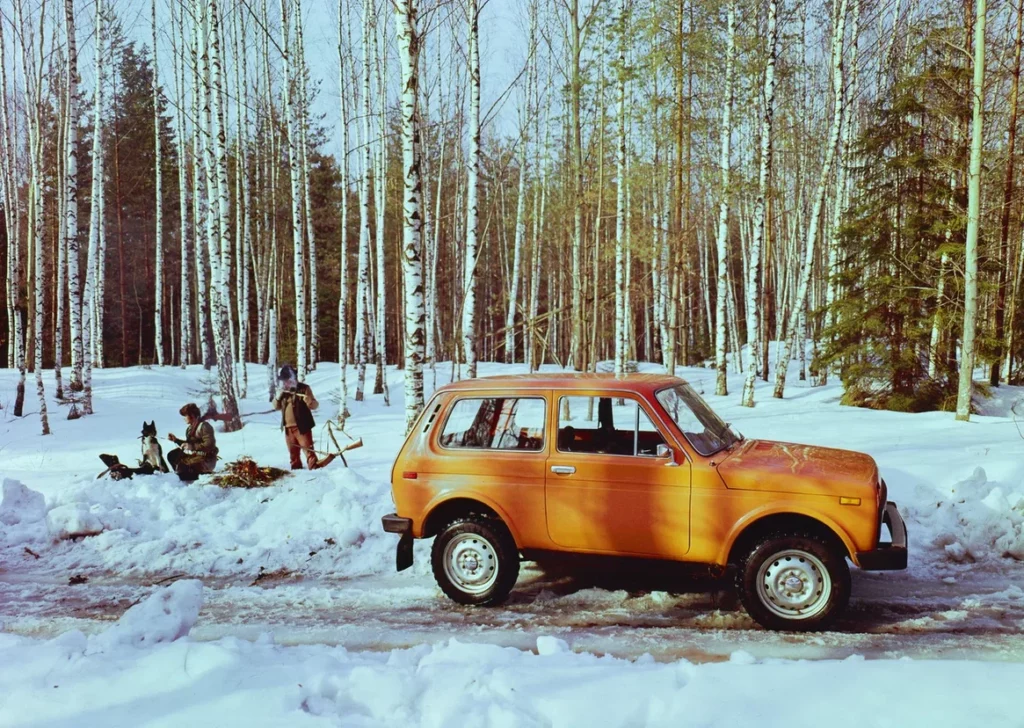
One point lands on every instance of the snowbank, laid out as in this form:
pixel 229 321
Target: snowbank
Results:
pixel 322 522
pixel 232 682
pixel 164 616
pixel 23 516
pixel 972 521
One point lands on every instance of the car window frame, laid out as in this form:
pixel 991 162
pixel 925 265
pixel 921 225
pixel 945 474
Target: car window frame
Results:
pixel 640 400
pixel 443 423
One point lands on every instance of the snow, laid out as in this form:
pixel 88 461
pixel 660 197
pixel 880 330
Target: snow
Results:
pixel 187 568
pixel 160 677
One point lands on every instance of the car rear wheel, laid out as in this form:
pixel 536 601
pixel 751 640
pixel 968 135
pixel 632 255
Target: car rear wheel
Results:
pixel 475 561
pixel 796 582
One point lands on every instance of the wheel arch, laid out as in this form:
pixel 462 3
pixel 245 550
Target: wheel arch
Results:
pixel 759 524
pixel 444 511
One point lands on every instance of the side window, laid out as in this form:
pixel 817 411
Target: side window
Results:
pixel 495 423
pixel 608 425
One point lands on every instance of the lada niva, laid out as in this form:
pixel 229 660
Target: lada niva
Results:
pixel 502 468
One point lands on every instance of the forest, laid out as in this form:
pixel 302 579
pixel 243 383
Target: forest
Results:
pixel 728 183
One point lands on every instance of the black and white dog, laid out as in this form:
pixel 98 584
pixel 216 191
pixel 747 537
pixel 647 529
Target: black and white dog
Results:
pixel 152 453
pixel 152 457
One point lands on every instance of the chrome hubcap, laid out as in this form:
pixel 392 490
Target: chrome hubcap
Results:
pixel 794 584
pixel 470 563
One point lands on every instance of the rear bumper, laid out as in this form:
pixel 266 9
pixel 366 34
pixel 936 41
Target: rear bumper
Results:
pixel 890 556
pixel 393 523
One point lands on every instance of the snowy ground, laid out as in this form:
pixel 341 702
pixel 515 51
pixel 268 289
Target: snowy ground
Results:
pixel 306 561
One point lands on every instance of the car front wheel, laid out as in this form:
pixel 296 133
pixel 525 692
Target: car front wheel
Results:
pixel 796 582
pixel 475 561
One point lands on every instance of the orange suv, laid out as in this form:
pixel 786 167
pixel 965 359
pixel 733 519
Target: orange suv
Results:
pixel 637 466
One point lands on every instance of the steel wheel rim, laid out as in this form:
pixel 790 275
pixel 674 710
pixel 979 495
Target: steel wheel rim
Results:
pixel 471 563
pixel 794 584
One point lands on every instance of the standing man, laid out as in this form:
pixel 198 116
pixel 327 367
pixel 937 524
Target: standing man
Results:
pixel 296 402
pixel 197 453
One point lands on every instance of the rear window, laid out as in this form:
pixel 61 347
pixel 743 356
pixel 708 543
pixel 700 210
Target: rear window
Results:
pixel 495 423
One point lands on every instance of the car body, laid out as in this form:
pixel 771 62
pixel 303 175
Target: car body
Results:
pixel 633 466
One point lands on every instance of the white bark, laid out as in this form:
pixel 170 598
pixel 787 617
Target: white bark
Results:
pixel 800 302
pixel 200 199
pixel 764 176
pixel 222 331
pixel 186 317
pixel 620 204
pixel 71 198
pixel 343 287
pixel 722 238
pixel 966 385
pixel 294 160
pixel 303 123
pixel 363 321
pixel 33 70
pixel 158 212
pixel 472 213
pixel 412 269
pixel 96 226
pixel 380 199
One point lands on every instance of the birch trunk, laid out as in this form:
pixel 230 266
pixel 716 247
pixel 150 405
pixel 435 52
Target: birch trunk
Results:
pixel 409 50
pixel 1002 340
pixel 363 321
pixel 303 123
pixel 620 204
pixel 966 386
pixel 33 111
pixel 225 363
pixel 200 199
pixel 722 239
pixel 472 213
pixel 380 385
pixel 159 210
pixel 185 286
pixel 294 160
pixel 763 179
pixel 71 198
pixel 96 228
pixel 800 302
pixel 343 253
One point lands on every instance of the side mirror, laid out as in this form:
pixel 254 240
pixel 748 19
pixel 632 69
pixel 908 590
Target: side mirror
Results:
pixel 663 451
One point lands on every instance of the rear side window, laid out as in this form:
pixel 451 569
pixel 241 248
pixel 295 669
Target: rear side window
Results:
pixel 495 423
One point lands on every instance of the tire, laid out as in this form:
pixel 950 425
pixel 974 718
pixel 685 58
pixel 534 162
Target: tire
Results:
pixel 797 582
pixel 475 561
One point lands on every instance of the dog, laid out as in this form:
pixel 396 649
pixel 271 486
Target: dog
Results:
pixel 152 457
pixel 152 453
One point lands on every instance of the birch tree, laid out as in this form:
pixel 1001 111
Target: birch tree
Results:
pixel 294 160
pixel 343 242
pixel 810 238
pixel 763 179
pixel 469 324
pixel 620 206
pixel 71 197
pixel 412 269
pixel 363 322
pixel 722 239
pixel 158 211
pixel 966 388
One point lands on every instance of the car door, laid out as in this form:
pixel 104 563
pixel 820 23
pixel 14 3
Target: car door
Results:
pixel 607 489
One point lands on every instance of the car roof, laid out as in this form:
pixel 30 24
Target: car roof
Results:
pixel 642 383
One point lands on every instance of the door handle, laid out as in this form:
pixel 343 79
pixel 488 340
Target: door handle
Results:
pixel 563 469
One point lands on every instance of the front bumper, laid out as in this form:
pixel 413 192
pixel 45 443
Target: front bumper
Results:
pixel 890 556
pixel 393 523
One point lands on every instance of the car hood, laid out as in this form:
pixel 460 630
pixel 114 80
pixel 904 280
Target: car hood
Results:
pixel 791 468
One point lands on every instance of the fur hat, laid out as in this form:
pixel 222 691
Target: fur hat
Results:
pixel 190 410
pixel 287 372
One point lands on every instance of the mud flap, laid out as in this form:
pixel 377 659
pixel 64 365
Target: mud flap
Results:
pixel 403 556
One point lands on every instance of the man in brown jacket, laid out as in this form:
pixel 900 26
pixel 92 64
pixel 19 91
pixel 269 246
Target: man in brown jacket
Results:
pixel 197 453
pixel 296 400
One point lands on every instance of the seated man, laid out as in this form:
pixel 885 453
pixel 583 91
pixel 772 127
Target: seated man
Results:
pixel 197 453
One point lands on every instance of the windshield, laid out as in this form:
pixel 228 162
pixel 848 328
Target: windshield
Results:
pixel 704 430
